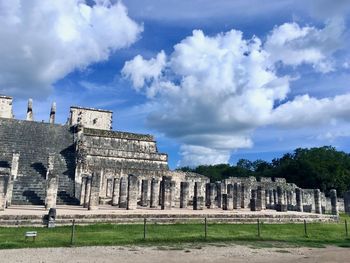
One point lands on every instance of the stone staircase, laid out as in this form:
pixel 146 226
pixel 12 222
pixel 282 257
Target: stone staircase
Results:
pixel 35 141
pixel 29 190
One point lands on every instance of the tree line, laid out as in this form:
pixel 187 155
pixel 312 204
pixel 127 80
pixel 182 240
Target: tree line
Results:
pixel 320 167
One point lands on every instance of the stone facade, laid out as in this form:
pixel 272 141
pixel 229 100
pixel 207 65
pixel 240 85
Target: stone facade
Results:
pixel 6 107
pixel 86 163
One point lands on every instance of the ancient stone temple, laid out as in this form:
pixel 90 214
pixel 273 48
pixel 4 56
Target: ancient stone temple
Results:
pixel 84 162
pixel 83 146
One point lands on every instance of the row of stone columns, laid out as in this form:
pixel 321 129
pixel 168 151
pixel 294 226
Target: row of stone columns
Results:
pixel 231 197
pixel 125 193
pixel 282 200
pixel 90 191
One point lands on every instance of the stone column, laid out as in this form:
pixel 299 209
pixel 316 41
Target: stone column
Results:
pixel 275 200
pixel 184 192
pixel 219 192
pixel 4 179
pixel 160 192
pixel 52 113
pixel 299 199
pixel 51 183
pixel 82 190
pixel 109 187
pixel 198 200
pixel 243 196
pixel 280 206
pixel 30 115
pixel 224 202
pixel 87 192
pixel 317 196
pixel 212 193
pixel 230 197
pixel 94 200
pixel 334 202
pixel 12 178
pixel 154 193
pixel 236 196
pixel 123 192
pixel 267 204
pixel 144 193
pixel 132 192
pixel 173 193
pixel 51 191
pixel 271 203
pixel 260 194
pixel 254 206
pixel 347 202
pixel 207 191
pixel 166 193
pixel 115 195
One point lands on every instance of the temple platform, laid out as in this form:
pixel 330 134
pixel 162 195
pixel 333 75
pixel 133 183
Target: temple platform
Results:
pixel 35 216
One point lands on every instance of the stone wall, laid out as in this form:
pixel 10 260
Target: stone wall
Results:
pixel 6 107
pixel 118 154
pixel 91 118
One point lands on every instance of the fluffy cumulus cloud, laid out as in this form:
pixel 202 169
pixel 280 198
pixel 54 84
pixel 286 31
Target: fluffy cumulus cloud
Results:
pixel 43 41
pixel 212 92
pixel 294 45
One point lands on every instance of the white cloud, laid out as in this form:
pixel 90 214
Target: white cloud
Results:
pixel 196 155
pixel 43 41
pixel 294 45
pixel 308 111
pixel 212 92
pixel 141 71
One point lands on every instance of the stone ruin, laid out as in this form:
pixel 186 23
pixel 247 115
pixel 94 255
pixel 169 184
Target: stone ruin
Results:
pixel 84 162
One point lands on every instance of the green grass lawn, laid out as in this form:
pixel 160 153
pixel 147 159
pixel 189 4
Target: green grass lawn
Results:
pixel 319 234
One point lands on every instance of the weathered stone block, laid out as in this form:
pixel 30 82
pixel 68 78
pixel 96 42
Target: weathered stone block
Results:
pixel 237 196
pixel 123 192
pixel 144 193
pixel 166 193
pixel 51 191
pixel 224 202
pixel 281 208
pixel 87 191
pixel 116 188
pixel 154 193
pixel 82 190
pixel 198 201
pixel 334 202
pixel 95 191
pixel 212 194
pixel 3 189
pixel 299 199
pixel 184 194
pixel 132 192
pixel 219 192
pixel 318 205
pixel 347 202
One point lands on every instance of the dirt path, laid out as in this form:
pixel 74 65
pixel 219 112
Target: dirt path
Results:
pixel 212 253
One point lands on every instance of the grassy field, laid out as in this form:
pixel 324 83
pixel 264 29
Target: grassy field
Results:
pixel 171 234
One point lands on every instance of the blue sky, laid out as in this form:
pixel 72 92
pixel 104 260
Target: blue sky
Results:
pixel 252 81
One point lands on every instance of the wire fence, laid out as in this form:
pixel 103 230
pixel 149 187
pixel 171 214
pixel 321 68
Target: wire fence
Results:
pixel 190 230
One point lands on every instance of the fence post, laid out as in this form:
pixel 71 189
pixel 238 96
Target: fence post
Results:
pixel 72 233
pixel 144 228
pixel 346 228
pixel 205 228
pixel 305 229
pixel 258 222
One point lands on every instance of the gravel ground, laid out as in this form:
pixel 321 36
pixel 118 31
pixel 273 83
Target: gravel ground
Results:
pixel 190 253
